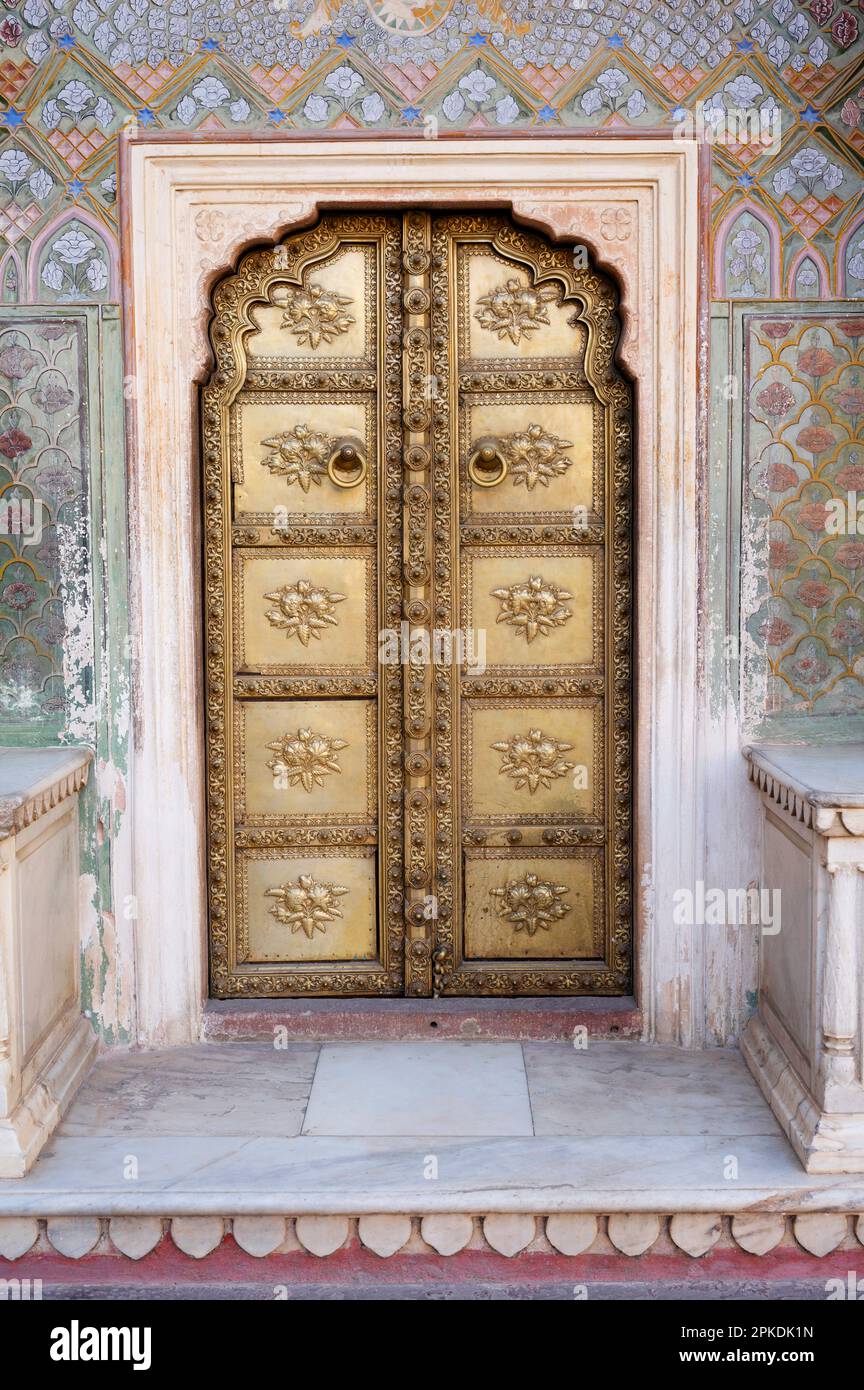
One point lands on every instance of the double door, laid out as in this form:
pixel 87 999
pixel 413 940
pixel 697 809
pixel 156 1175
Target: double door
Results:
pixel 416 454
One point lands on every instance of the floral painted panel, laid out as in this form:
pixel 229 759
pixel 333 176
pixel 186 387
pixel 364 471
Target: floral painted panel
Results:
pixel 75 73
pixel 804 511
pixel 43 512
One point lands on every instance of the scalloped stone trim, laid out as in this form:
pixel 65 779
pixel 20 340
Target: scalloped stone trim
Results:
pixel 19 811
pixel 628 1234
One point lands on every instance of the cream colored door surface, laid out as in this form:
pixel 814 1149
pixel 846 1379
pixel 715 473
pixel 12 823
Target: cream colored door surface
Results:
pixel 417 554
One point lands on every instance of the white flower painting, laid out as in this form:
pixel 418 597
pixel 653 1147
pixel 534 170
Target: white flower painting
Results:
pixel 614 92
pixel 477 91
pixel 76 268
pixel 344 92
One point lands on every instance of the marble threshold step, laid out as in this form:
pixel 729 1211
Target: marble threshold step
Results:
pixel 355 1129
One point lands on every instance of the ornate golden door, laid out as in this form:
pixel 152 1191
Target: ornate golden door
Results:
pixel 417 528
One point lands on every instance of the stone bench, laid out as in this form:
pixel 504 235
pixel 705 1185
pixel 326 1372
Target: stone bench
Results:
pixel 804 1045
pixel 46 1045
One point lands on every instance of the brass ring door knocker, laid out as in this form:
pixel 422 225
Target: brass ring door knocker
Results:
pixel 347 466
pixel 487 466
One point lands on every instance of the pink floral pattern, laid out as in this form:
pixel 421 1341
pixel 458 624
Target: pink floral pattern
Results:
pixel 42 445
pixel 802 518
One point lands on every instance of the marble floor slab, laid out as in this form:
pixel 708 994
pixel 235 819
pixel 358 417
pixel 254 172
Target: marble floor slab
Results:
pixel 418 1088
pixel 232 1128
pixel 610 1089
pixel 180 1176
pixel 246 1088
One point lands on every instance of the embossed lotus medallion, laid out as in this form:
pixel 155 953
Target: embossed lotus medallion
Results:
pixel 301 455
pixel 531 903
pixel 512 310
pixel 534 456
pixel 533 760
pixel 316 315
pixel 305 759
pixel 533 606
pixel 304 609
pixel 306 906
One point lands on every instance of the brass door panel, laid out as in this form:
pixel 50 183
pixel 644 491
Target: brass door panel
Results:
pixel 533 762
pixel 539 905
pixel 306 905
pixel 537 606
pixel 417 506
pixel 281 451
pixel 309 762
pixel 308 610
pixel 302 453
pixel 533 552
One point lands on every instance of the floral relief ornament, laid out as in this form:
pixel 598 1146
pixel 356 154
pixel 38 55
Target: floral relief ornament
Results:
pixel 512 310
pixel 301 456
pixel 533 760
pixel 531 903
pixel 316 315
pixel 533 606
pixel 305 759
pixel 534 456
pixel 303 609
pixel 307 906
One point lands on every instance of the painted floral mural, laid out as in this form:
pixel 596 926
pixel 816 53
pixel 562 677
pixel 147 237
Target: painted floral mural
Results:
pixel 43 493
pixel 804 510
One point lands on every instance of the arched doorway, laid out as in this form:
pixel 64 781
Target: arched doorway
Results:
pixel 417 454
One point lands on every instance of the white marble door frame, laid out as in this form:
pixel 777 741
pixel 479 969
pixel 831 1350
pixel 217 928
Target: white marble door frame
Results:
pixel 190 207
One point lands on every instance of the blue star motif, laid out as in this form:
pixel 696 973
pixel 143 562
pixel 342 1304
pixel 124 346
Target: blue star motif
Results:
pixel 744 46
pixel 67 41
pixel 411 114
pixel 614 41
pixel 12 117
pixel 276 116
pixel 810 115
pixel 477 41
pixel 547 113
pixel 145 116
pixel 74 187
pixel 345 40
pixel 746 180
pixel 211 46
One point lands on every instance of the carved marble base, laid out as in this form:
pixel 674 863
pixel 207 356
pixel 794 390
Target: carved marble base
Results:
pixel 46 1046
pixel 824 1143
pixel 805 1044
pixel 27 1129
